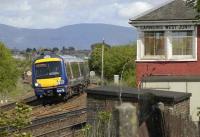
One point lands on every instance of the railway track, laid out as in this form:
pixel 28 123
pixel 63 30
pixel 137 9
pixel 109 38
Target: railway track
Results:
pixel 67 131
pixel 60 119
pixel 9 106
pixel 73 103
pixel 58 124
pixel 31 100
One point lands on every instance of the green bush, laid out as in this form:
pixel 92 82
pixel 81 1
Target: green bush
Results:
pixel 117 59
pixel 8 70
pixel 17 120
pixel 102 126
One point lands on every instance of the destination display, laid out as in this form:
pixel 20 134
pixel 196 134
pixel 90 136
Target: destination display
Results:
pixel 166 27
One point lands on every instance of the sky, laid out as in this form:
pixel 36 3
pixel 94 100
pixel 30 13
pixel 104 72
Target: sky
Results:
pixel 39 14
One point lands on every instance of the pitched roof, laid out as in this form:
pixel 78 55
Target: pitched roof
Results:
pixel 174 10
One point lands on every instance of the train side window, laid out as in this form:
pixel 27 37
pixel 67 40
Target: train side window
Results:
pixel 69 74
pixel 75 69
pixel 82 68
pixel 86 68
pixel 79 69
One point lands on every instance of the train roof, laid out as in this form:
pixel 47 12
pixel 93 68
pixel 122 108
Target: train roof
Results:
pixel 68 58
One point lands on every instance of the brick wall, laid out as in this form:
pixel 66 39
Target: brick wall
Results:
pixel 181 108
pixel 97 103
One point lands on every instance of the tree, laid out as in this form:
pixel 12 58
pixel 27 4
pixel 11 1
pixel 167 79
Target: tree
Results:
pixel 63 48
pixel 34 50
pixel 93 46
pixel 71 49
pixel 119 58
pixel 196 5
pixel 8 70
pixel 95 58
pixel 28 50
pixel 55 50
pixel 115 59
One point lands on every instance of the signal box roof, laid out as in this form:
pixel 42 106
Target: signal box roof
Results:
pixel 172 10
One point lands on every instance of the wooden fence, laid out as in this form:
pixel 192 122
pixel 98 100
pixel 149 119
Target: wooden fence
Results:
pixel 165 124
pixel 178 126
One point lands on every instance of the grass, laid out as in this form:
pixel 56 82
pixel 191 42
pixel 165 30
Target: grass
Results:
pixel 20 91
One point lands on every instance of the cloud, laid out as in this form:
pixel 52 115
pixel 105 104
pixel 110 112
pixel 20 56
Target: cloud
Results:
pixel 134 9
pixel 57 13
pixel 17 21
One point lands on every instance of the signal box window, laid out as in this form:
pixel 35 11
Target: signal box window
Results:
pixel 154 43
pixel 176 45
pixel 182 42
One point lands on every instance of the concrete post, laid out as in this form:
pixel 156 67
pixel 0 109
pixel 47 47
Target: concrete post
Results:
pixel 199 126
pixel 161 106
pixel 125 117
pixel 116 79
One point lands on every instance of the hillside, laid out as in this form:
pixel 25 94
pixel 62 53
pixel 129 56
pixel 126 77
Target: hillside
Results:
pixel 80 36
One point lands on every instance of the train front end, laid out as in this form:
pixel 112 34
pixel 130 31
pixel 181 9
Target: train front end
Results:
pixel 49 78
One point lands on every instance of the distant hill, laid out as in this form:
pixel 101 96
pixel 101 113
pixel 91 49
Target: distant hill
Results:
pixel 80 36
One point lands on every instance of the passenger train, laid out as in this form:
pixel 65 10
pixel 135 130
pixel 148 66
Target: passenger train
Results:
pixel 62 76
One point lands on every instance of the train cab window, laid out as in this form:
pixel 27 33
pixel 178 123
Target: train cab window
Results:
pixel 41 70
pixel 48 70
pixel 75 69
pixel 54 68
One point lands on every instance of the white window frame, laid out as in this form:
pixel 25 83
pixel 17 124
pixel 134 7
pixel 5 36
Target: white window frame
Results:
pixel 168 49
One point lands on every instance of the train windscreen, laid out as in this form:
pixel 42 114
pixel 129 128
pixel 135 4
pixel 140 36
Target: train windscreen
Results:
pixel 48 70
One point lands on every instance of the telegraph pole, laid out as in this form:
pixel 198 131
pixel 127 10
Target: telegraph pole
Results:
pixel 102 63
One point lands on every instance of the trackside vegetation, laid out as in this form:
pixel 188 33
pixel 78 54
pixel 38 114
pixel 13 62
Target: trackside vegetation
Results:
pixel 8 70
pixel 117 59
pixel 103 126
pixel 11 71
pixel 12 123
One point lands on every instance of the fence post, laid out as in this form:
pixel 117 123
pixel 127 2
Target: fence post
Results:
pixel 199 126
pixel 161 106
pixel 125 117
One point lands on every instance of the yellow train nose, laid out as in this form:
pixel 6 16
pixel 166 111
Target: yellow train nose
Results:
pixel 50 82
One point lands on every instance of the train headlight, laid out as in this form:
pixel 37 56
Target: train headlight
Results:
pixel 37 85
pixel 61 82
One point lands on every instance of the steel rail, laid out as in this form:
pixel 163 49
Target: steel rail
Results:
pixel 12 105
pixel 68 127
pixel 47 119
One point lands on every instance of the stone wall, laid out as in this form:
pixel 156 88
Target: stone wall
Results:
pixel 100 102
pixel 179 109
